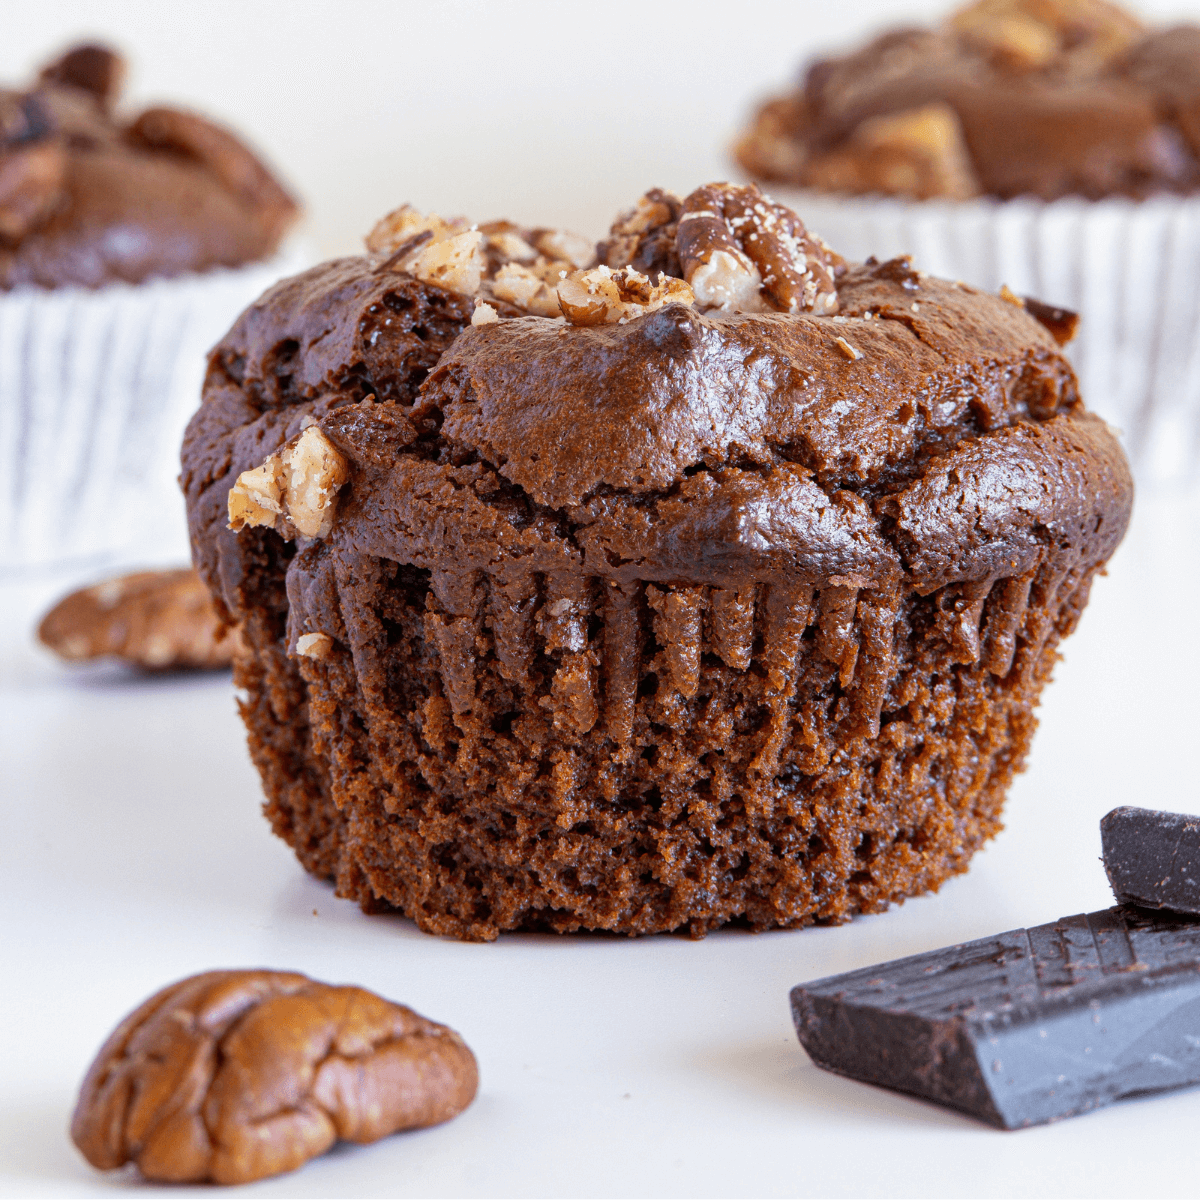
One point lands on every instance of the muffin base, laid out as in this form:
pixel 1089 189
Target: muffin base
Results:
pixel 857 751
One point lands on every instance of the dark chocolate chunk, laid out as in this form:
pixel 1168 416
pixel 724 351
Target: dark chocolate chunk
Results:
pixel 1153 858
pixel 1022 1028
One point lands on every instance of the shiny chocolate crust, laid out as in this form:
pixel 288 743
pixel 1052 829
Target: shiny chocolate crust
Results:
pixel 1044 98
pixel 88 197
pixel 696 618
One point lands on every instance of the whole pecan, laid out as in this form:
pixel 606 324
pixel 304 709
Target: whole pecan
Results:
pixel 156 620
pixel 232 1076
pixel 742 251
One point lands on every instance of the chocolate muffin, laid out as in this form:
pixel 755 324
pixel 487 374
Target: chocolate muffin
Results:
pixel 1006 98
pixel 88 196
pixel 725 594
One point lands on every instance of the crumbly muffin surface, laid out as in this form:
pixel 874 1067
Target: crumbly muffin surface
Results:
pixel 88 197
pixel 699 616
pixel 1044 98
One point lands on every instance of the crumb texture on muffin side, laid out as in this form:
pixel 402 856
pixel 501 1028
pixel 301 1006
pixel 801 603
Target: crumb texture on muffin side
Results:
pixel 672 614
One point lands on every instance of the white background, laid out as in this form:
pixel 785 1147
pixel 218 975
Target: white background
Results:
pixel 133 852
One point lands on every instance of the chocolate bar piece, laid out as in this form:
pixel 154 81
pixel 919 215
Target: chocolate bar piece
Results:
pixel 1153 858
pixel 1023 1028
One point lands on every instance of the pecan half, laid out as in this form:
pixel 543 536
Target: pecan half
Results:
pixel 232 1076
pixel 741 251
pixel 156 620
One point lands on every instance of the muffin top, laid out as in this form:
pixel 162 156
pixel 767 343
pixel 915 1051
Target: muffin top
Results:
pixel 1005 98
pixel 88 197
pixel 710 395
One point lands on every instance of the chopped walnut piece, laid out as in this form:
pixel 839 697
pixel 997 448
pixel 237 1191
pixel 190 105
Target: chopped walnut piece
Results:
pixel 644 237
pixel 294 491
pixel 156 620
pixel 920 152
pixel 257 497
pixel 455 263
pixel 603 296
pixel 511 246
pixel 742 252
pixel 582 303
pixel 232 1076
pixel 484 314
pixel 528 288
pixel 729 280
pixel 558 244
pixel 405 222
pixel 446 253
pixel 314 645
pixel 853 353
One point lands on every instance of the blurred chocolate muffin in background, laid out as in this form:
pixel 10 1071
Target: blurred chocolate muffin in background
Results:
pixel 128 241
pixel 1050 145
pixel 1006 98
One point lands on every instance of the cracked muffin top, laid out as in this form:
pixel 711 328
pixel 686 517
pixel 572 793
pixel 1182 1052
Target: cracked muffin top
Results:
pixel 709 395
pixel 1045 98
pixel 88 197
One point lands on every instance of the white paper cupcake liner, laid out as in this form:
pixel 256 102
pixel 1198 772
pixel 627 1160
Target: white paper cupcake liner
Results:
pixel 96 387
pixel 1130 269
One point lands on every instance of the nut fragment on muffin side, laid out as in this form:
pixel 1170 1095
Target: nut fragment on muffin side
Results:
pixel 726 593
pixel 231 1076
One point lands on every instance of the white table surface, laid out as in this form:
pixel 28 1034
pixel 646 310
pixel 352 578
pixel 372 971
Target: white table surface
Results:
pixel 133 853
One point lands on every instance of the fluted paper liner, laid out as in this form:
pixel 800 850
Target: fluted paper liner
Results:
pixel 96 387
pixel 1130 269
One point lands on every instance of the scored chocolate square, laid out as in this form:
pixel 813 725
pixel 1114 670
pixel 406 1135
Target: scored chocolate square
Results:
pixel 1024 1027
